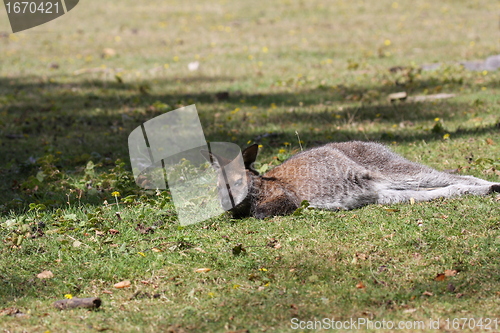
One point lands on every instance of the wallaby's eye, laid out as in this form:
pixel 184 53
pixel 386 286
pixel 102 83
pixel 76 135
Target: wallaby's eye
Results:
pixel 239 182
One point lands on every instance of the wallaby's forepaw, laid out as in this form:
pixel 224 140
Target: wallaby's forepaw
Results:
pixel 495 188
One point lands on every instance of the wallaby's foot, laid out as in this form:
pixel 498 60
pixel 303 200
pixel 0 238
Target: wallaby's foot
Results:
pixel 495 188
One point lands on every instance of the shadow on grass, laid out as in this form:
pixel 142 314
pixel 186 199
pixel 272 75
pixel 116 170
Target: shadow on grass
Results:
pixel 90 120
pixel 15 287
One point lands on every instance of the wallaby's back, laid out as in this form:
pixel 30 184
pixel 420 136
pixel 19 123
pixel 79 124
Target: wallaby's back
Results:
pixel 334 176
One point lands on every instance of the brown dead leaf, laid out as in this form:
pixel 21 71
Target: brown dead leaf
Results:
pixel 122 284
pixel 143 229
pixel 239 249
pixel 107 292
pixel 361 256
pixel 490 141
pixel 274 243
pixel 176 328
pixel 450 272
pixel 427 293
pixel 440 277
pixel 9 311
pixel 202 270
pixel 45 275
pixel 360 285
pixel 113 231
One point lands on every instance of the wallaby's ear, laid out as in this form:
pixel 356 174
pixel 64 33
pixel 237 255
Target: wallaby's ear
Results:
pixel 250 155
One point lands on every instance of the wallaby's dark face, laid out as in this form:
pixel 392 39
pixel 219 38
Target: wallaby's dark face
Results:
pixel 233 185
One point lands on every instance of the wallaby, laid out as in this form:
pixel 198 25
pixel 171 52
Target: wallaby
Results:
pixel 344 175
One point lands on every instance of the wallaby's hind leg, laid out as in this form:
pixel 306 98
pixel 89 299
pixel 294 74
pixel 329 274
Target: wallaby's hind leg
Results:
pixel 420 176
pixel 430 179
pixel 402 173
pixel 388 196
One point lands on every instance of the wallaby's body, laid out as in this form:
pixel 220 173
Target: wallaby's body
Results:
pixel 346 175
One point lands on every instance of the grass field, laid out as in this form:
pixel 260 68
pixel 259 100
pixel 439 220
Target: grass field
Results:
pixel 73 89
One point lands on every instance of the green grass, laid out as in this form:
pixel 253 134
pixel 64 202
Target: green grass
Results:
pixel 318 69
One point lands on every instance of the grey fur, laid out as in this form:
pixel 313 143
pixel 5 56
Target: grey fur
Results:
pixel 347 175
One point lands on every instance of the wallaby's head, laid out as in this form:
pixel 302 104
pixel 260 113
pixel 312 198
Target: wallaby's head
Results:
pixel 234 186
